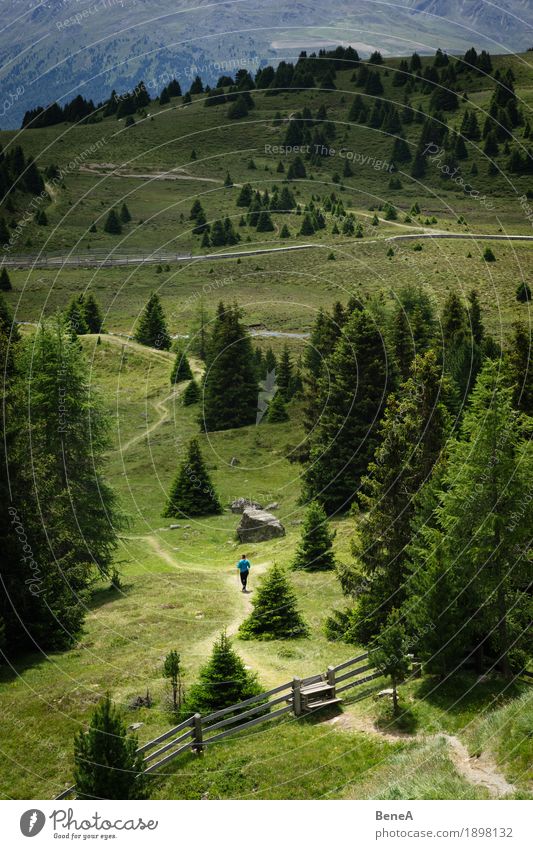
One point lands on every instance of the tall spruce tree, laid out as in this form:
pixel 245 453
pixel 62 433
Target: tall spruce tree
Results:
pixel 230 384
pixel 351 397
pixel 106 762
pixel 75 317
pixel 192 493
pixel 390 653
pixel 191 394
pixel 461 354
pixel 112 224
pixel 477 540
pixel 277 411
pixel 223 681
pixel 315 549
pixel 519 361
pixel 60 500
pixel 411 437
pixel 284 374
pixel 275 613
pixel 7 324
pixel 5 281
pixel 181 369
pixel 92 314
pixel 152 329
pixel 125 215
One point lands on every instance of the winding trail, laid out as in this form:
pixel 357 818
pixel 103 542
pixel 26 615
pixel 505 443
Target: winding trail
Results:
pixel 481 771
pixel 154 257
pixel 161 408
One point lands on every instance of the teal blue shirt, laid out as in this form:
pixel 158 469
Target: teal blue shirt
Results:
pixel 243 565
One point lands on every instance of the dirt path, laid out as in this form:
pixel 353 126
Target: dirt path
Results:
pixel 245 599
pixel 142 350
pixel 110 171
pixel 161 408
pixel 482 771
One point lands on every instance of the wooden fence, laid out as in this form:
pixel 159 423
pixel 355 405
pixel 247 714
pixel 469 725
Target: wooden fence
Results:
pixel 299 696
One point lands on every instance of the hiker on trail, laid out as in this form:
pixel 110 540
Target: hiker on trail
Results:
pixel 244 568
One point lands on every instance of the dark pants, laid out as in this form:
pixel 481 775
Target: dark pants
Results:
pixel 244 578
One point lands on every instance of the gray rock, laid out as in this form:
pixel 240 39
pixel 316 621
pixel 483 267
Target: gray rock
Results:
pixel 135 726
pixel 383 694
pixel 258 526
pixel 240 504
pixel 174 527
pixel 273 506
pixel 234 462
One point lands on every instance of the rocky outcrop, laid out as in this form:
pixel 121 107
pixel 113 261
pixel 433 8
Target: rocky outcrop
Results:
pixel 258 526
pixel 240 504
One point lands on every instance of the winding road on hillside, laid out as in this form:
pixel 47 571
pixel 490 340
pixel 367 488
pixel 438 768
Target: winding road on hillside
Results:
pixel 101 260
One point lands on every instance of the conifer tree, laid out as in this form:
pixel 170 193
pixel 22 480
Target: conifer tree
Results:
pixel 402 341
pixel 520 368
pixel 264 222
pixel 230 385
pixel 152 329
pixel 172 671
pixel 75 317
pixel 478 536
pixel 125 215
pixel 106 762
pixel 307 228
pixel 112 224
pixel 345 438
pixel 63 502
pixel 7 325
pixel 277 412
pixel 5 281
pixel 389 654
pixel 474 314
pixel 523 291
pixel 462 357
pixel 181 369
pixel 411 436
pixel 191 394
pixel 286 200
pixel 315 550
pixel 92 314
pixel 296 170
pixel 223 681
pixel 275 614
pixel 271 362
pixel 245 195
pixel 192 492
pixel 284 374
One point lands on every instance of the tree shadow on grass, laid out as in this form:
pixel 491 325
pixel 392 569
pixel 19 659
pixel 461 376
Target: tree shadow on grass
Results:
pixel 103 595
pixel 467 692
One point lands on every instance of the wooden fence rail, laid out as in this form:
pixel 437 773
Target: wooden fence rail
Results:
pixel 195 733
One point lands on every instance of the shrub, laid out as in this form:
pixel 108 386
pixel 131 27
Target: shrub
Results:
pixel 275 614
pixel 222 682
pixel 106 762
pixel 315 551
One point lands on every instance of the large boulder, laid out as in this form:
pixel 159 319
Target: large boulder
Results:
pixel 240 504
pixel 258 526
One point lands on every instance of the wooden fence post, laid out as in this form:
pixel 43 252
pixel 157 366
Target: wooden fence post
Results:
pixel 331 679
pixel 296 696
pixel 197 733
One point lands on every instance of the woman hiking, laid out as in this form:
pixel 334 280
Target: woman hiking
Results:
pixel 244 569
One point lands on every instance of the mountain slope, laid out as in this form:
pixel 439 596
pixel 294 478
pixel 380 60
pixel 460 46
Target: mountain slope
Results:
pixel 55 49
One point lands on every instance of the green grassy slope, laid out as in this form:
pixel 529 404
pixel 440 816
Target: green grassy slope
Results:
pixel 180 586
pixel 180 589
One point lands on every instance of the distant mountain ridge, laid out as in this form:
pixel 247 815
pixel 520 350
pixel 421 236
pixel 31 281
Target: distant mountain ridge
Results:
pixel 59 48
